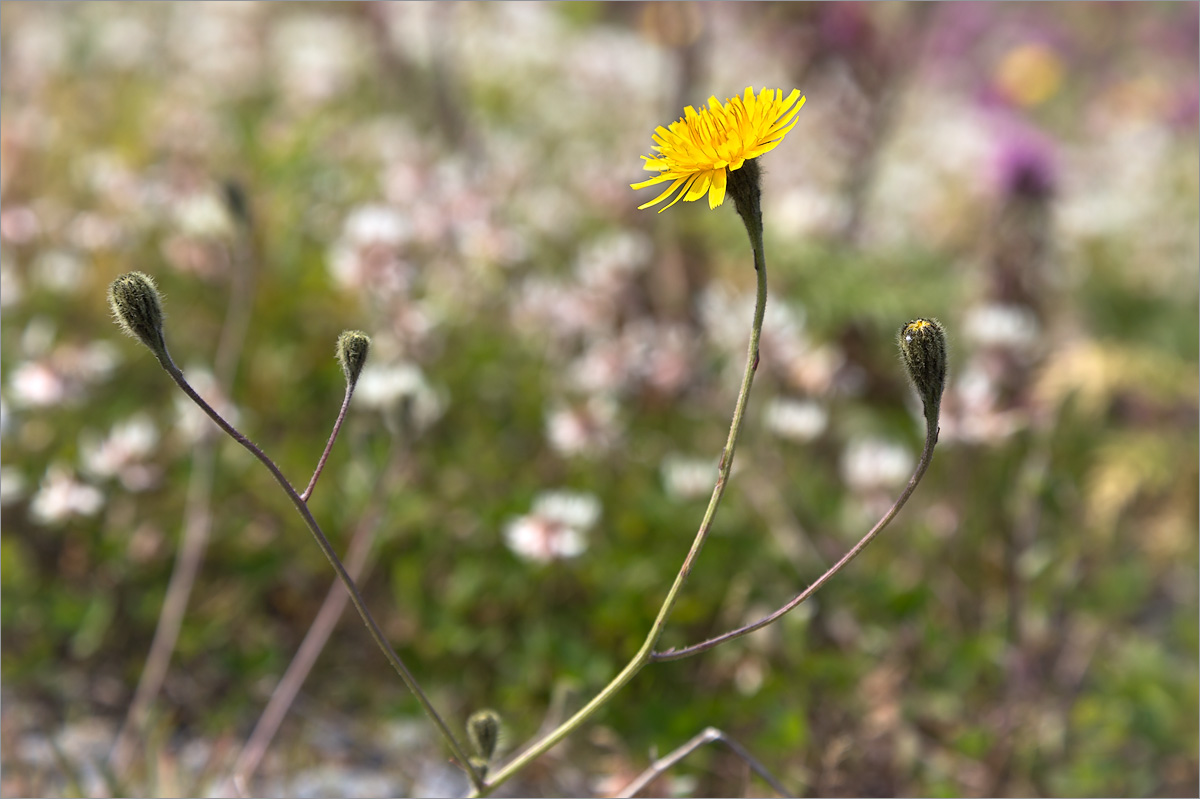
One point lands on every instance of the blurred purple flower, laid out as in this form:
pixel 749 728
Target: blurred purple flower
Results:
pixel 1024 166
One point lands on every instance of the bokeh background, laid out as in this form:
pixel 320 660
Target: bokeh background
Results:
pixel 531 450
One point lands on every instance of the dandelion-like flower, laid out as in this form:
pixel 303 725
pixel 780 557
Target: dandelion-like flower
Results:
pixel 697 153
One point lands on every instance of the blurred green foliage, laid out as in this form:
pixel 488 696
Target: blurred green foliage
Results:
pixel 1027 625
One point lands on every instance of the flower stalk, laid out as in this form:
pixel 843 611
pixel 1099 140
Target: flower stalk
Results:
pixel 746 195
pixel 137 305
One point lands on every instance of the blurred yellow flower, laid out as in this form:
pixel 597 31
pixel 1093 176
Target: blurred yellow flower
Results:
pixel 1030 74
pixel 698 151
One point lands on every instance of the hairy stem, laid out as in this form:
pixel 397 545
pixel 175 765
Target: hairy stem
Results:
pixel 337 427
pixel 754 228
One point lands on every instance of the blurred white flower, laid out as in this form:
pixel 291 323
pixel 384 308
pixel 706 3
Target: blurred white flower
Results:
pixel 376 224
pixel 366 255
pixel 797 420
pixel 59 270
pixel 869 464
pixel 583 429
pixel 124 41
pixel 122 453
pixel 385 387
pixel 603 368
pixel 54 375
pixel 613 259
pixel 807 211
pixel 61 496
pixel 970 409
pixel 317 55
pixel 663 355
pixel 556 528
pixel 202 215
pixel 995 325
pixel 569 507
pixel 34 384
pixel 544 306
pixel 686 477
pixel 220 48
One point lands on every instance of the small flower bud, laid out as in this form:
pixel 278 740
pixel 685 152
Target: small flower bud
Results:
pixel 236 201
pixel 352 349
pixel 483 728
pixel 923 345
pixel 137 306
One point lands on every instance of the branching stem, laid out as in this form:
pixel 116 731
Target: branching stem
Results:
pixel 323 542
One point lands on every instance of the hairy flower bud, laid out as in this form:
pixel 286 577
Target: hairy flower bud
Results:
pixel 137 306
pixel 352 349
pixel 923 345
pixel 483 728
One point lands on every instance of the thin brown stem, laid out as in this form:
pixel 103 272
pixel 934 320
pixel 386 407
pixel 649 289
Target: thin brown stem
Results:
pixel 707 736
pixel 197 515
pixel 318 633
pixel 359 604
pixel 337 427
pixel 931 434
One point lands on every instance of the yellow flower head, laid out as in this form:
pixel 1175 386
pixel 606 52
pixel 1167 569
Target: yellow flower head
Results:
pixel 698 151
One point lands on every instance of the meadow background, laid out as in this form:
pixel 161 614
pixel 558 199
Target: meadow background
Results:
pixel 552 379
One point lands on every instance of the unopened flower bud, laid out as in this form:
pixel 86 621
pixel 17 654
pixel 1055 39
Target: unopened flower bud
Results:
pixel 352 349
pixel 236 201
pixel 923 345
pixel 483 728
pixel 137 306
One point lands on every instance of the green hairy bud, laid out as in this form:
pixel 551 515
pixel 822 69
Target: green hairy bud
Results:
pixel 352 349
pixel 137 306
pixel 923 345
pixel 483 728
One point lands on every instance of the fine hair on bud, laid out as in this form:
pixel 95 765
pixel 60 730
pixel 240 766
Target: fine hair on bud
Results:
pixel 352 349
pixel 137 307
pixel 923 346
pixel 483 728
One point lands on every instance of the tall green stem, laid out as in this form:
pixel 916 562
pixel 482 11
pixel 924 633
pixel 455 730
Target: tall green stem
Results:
pixel 753 222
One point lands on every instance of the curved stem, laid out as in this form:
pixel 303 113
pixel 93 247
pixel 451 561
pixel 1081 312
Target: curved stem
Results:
pixel 323 542
pixel 318 633
pixel 337 426
pixel 643 656
pixel 707 736
pixel 926 456
pixel 197 515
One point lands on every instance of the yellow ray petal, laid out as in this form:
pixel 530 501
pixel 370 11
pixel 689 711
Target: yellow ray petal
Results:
pixel 660 197
pixel 716 195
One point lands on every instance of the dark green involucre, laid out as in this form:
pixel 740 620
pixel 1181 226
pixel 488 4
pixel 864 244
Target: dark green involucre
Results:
pixel 352 349
pixel 483 728
pixel 137 306
pixel 744 187
pixel 923 345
